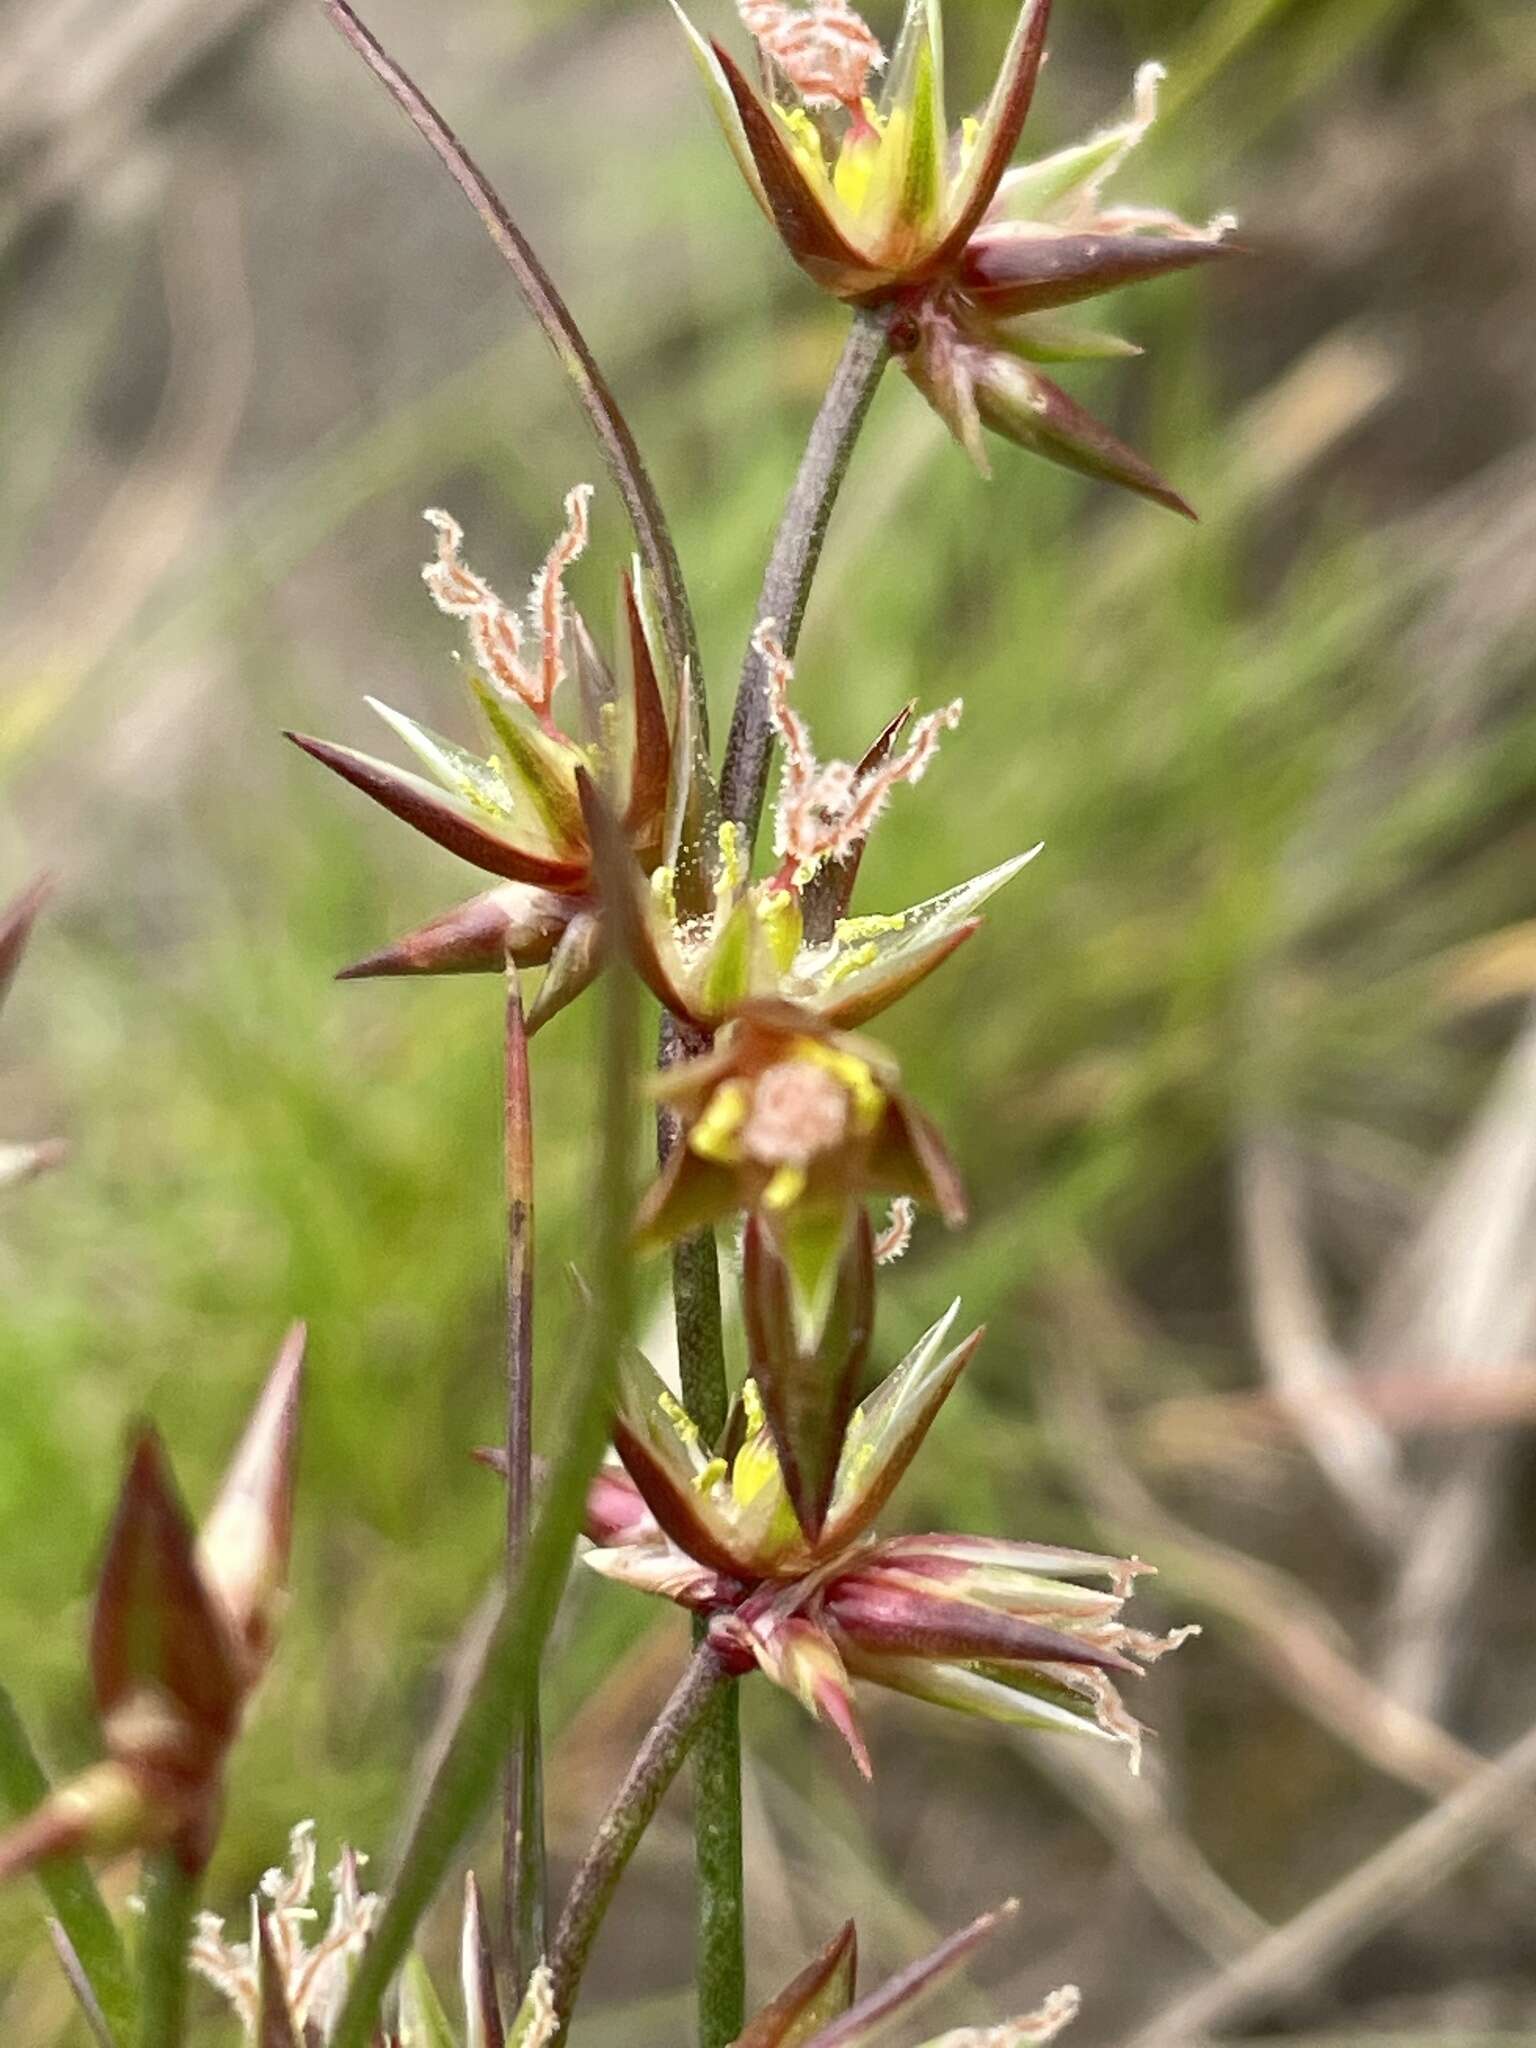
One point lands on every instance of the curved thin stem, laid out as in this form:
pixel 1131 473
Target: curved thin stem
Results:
pixel 796 552
pixel 629 1813
pixel 575 358
pixel 522 1868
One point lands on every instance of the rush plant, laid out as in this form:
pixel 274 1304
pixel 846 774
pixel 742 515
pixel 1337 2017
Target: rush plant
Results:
pixel 617 849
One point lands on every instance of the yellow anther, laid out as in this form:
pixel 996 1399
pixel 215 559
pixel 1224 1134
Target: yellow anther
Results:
pixel 664 889
pixel 673 1409
pixel 785 1188
pixel 804 137
pixel 879 925
pixel 856 1076
pixel 752 1407
pixel 732 867
pixel 710 1475
pixel 778 912
pixel 756 1468
pixel 716 1134
pixel 848 962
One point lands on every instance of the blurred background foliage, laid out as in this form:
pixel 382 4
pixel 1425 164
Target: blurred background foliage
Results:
pixel 1240 1070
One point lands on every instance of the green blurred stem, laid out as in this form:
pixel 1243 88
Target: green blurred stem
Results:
pixel 465 1780
pixel 678 1726
pixel 522 1867
pixel 68 1885
pixel 695 1267
pixel 796 552
pixel 170 1896
pixel 721 1935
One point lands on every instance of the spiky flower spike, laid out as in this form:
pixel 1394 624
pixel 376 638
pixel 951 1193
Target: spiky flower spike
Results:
pixel 517 813
pixel 793 1581
pixel 21 1161
pixel 709 944
pixel 882 205
pixel 182 1631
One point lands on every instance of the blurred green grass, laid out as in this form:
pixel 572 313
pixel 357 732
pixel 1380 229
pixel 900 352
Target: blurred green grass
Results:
pixel 1263 841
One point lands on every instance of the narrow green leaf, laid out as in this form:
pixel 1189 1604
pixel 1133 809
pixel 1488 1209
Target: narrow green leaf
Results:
pixel 469 1774
pixel 68 1885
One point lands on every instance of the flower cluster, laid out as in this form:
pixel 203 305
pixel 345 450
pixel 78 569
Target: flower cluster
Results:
pixel 288 1989
pixel 770 1533
pixel 21 1160
pixel 881 204
pixel 518 813
pixel 183 1629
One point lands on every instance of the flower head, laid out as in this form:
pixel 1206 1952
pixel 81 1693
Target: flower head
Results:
pixel 517 813
pixel 808 1594
pixel 709 940
pixel 798 1125
pixel 882 204
pixel 182 1630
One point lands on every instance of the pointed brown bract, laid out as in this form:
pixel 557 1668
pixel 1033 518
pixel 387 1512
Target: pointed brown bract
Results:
pixel 181 1629
pixel 247 1537
pixel 1008 271
pixel 437 817
pixel 819 1994
pixel 883 1616
pixel 161 1651
pixel 974 381
pixel 827 895
pixel 645 813
pixel 809 229
pixel 1000 129
pixel 866 2020
pixel 514 922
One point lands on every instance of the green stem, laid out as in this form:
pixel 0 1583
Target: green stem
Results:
pixel 697 1693
pixel 721 1922
pixel 465 1780
pixel 695 1268
pixel 170 1896
pixel 523 1867
pixel 796 553
pixel 68 1886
